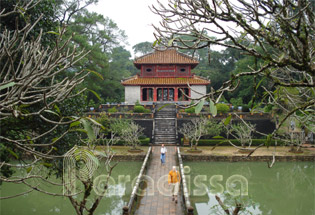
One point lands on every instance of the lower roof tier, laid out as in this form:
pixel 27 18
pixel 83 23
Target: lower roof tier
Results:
pixel 136 80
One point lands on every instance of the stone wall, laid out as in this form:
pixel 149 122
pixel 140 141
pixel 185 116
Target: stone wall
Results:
pixel 263 125
pixel 147 124
pixel 135 157
pixel 239 158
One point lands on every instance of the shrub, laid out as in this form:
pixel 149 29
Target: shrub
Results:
pixel 138 109
pixel 236 102
pixel 222 108
pixel 112 110
pixel 147 111
pixel 142 137
pixel 190 110
pixel 268 108
pixel 245 108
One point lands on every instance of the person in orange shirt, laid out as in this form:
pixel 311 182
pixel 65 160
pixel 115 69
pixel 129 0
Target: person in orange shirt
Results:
pixel 174 180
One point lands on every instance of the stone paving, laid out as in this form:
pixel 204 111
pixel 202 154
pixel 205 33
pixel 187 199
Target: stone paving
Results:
pixel 154 202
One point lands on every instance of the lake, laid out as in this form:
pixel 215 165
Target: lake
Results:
pixel 285 189
pixel 37 203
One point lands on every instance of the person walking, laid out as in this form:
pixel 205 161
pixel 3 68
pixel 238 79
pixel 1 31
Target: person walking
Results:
pixel 163 152
pixel 174 180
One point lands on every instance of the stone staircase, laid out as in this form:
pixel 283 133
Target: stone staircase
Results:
pixel 165 124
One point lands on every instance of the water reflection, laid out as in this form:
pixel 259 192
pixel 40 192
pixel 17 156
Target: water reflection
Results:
pixel 36 203
pixel 287 188
pixel 212 207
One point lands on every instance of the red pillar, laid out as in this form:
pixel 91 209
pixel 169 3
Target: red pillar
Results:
pixel 176 94
pixel 154 94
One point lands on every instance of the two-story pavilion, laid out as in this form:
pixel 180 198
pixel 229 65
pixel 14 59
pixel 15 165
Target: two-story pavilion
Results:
pixel 164 76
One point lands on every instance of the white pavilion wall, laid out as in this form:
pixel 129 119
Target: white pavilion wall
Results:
pixel 198 88
pixel 132 94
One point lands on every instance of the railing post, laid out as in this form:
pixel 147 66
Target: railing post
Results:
pixel 190 211
pixel 125 210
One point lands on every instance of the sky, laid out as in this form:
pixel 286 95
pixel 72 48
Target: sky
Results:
pixel 132 16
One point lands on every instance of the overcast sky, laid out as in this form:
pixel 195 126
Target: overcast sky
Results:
pixel 132 16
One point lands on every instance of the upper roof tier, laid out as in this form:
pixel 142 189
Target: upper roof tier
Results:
pixel 168 56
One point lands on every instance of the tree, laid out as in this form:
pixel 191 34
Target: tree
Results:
pixel 128 131
pixel 279 34
pixel 40 107
pixel 102 37
pixel 30 77
pixel 142 48
pixel 80 163
pixel 199 127
pixel 243 133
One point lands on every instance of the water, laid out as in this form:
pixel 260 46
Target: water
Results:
pixel 37 203
pixel 285 189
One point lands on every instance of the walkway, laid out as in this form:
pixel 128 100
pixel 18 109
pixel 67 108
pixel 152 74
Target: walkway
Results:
pixel 157 203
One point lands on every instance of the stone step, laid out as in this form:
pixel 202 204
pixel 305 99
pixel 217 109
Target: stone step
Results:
pixel 162 142
pixel 165 125
pixel 165 137
pixel 165 116
pixel 164 121
pixel 164 132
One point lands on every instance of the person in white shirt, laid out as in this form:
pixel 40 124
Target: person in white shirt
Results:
pixel 163 152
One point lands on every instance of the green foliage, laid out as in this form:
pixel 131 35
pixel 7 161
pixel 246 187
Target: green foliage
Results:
pixel 143 48
pixel 222 108
pixel 236 102
pixel 49 22
pixel 213 128
pixel 248 84
pixel 138 109
pixel 190 110
pixel 105 122
pixel 147 111
pixel 268 108
pixel 112 110
pixel 107 58
pixel 245 108
pixel 199 106
pixel 128 131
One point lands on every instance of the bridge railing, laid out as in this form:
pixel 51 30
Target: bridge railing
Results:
pixel 130 207
pixel 189 210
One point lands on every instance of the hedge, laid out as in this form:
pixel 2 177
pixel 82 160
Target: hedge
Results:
pixel 112 110
pixel 141 109
pixel 213 142
pixel 190 110
pixel 138 109
pixel 222 108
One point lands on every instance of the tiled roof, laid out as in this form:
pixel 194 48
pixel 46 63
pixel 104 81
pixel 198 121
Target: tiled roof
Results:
pixel 168 56
pixel 136 80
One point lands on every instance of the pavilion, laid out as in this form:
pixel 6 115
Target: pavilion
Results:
pixel 164 77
